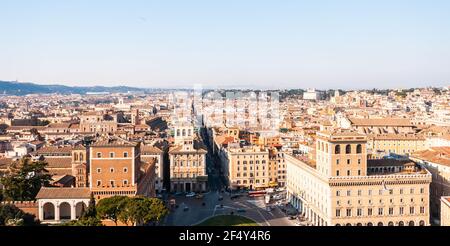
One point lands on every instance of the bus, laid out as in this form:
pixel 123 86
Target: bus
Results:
pixel 256 193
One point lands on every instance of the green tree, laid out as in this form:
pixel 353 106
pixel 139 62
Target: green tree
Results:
pixel 110 208
pixel 13 216
pixel 24 180
pixel 143 210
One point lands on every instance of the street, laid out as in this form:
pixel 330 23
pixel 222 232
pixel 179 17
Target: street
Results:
pixel 192 211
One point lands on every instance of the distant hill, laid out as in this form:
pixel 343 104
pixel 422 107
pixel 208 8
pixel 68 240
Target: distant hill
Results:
pixel 19 89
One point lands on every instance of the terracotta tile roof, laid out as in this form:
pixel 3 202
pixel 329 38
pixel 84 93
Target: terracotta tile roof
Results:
pixel 63 193
pixel 439 155
pixel 149 149
pixel 59 125
pixel 5 163
pixel 53 150
pixel 59 162
pixel 381 122
pixel 114 141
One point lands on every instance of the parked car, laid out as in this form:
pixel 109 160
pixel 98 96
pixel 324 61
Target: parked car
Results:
pixel 199 196
pixel 179 193
pixel 241 210
pixel 190 194
pixel 186 208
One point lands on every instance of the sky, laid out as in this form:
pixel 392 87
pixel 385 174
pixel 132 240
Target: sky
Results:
pixel 348 44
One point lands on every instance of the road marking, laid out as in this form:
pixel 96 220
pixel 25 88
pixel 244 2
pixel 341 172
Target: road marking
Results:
pixel 264 218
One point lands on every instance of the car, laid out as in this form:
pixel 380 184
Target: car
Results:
pixel 179 193
pixel 159 196
pixel 190 194
pixel 220 198
pixel 199 196
pixel 186 208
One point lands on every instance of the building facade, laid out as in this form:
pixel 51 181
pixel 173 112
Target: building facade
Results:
pixel 339 188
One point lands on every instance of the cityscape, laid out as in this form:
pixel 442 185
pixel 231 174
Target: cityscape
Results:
pixel 212 121
pixel 227 157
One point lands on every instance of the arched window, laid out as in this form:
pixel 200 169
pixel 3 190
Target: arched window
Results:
pixel 422 223
pixel 380 223
pixel 337 149
pixel 99 155
pixel 369 224
pixel 401 223
pixel 81 157
pixel 359 224
pixel 338 224
pixel 411 223
pixel 391 223
pixel 348 224
pixel 75 157
pixel 178 132
pixel 348 149
pixel 359 149
pixel 184 132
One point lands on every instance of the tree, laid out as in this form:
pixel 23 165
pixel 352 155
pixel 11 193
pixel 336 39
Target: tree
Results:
pixel 110 208
pixel 24 180
pixel 143 210
pixel 13 216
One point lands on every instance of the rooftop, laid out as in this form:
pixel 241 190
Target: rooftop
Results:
pixel 63 193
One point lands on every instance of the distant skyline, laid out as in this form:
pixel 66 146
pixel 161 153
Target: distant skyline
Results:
pixel 348 44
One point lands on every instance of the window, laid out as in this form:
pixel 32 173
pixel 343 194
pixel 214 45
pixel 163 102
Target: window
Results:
pixel 337 149
pixel 411 210
pixel 111 154
pixel 411 191
pixel 337 162
pixel 99 155
pixel 349 193
pixel 359 149
pixel 338 193
pixel 348 173
pixel 99 183
pixel 422 210
pixel 337 173
pixel 401 211
pixel 359 212
pixel 401 191
pixel 349 212
pixel 369 212
pixel 125 170
pixel 370 192
pixel 125 182
pixel 391 211
pixel 422 190
pixel 359 172
pixel 348 149
pixel 125 154
pixel 359 161
pixel 338 213
pixel 348 161
pixel 359 192
pixel 112 183
pixel 380 211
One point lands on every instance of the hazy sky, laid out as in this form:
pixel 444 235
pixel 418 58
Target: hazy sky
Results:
pixel 278 43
